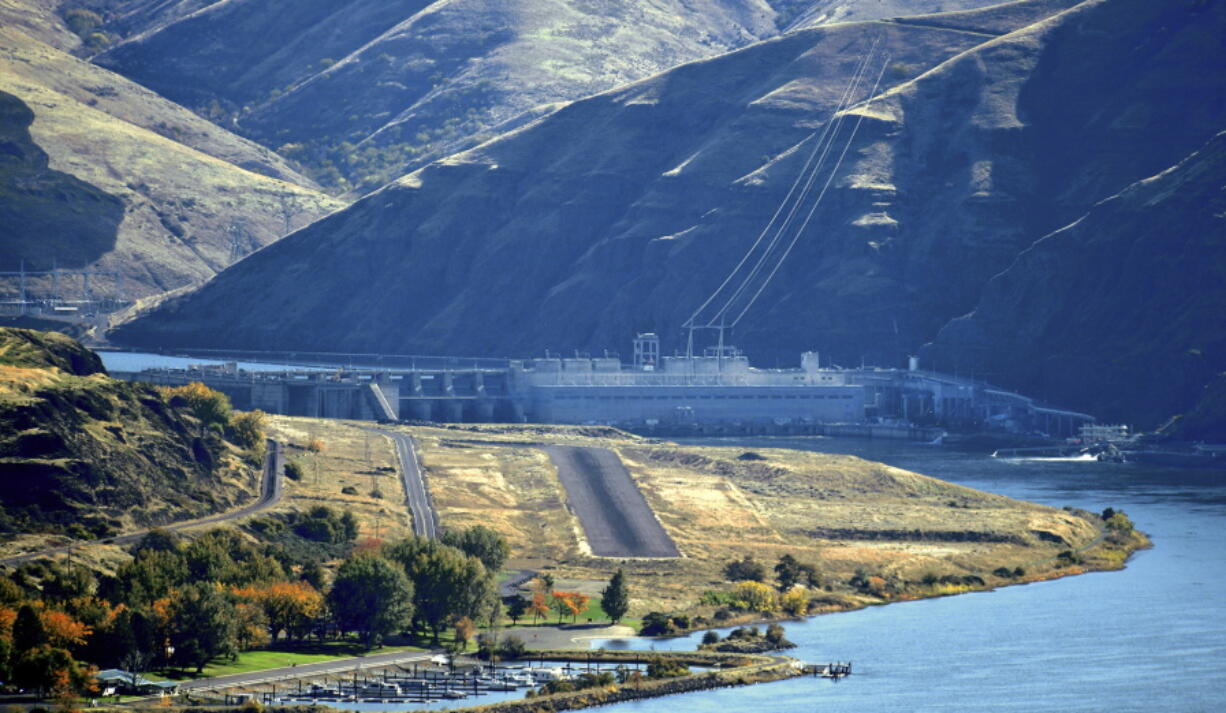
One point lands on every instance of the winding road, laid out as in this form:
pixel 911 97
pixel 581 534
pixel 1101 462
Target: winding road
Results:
pixel 274 469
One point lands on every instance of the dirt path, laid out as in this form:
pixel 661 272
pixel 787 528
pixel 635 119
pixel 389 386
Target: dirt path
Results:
pixel 616 518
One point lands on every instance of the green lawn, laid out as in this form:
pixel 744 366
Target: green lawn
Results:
pixel 260 660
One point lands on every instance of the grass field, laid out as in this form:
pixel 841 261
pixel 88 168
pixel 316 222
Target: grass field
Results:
pixel 840 513
pixel 260 660
pixel 352 458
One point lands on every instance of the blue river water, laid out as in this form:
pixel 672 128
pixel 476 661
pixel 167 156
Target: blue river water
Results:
pixel 1149 638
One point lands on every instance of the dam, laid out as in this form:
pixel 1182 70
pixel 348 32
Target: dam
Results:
pixel 712 393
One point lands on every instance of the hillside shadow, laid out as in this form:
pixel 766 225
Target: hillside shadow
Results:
pixel 47 214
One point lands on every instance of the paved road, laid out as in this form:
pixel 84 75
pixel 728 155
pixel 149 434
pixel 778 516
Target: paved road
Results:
pixel 425 517
pixel 274 468
pixel 322 668
pixel 616 518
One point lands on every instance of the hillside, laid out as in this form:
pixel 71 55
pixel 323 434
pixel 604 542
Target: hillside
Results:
pixel 622 212
pixel 419 79
pixel 96 171
pixel 85 455
pixel 1132 293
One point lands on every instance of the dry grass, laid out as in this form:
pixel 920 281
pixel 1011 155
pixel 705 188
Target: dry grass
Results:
pixel 352 457
pixel 839 512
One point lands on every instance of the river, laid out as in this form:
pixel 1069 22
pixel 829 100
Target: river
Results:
pixel 1149 638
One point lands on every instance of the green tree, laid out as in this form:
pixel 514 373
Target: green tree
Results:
pixel 790 572
pixel 28 631
pixel 481 542
pixel 745 569
pixel 51 671
pixel 615 598
pixel 447 583
pixel 371 596
pixel 517 606
pixel 203 625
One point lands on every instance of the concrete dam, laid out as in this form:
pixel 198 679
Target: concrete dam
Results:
pixel 703 394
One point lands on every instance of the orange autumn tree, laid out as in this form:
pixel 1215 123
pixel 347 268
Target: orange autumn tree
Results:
pixel 570 603
pixel 538 608
pixel 290 607
pixel 62 630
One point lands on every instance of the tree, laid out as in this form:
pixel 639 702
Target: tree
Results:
pixel 28 631
pixel 203 625
pixel 289 607
pixel 790 572
pixel 51 671
pixel 481 542
pixel 615 598
pixel 465 629
pixel 62 630
pixel 745 569
pixel 371 596
pixel 538 608
pixel 517 606
pixel 447 583
pixel 249 428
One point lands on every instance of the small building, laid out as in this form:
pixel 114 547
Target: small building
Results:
pixel 134 684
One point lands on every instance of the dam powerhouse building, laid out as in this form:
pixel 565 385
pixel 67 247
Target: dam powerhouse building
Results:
pixel 713 393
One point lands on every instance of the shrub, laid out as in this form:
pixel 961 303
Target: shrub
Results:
pixel 1119 522
pixel 755 596
pixel 656 624
pixel 1003 572
pixel 722 614
pixel 774 633
pixel 82 21
pixel 666 668
pixel 745 569
pixel 512 648
pixel 795 602
pixel 349 490
pixel 249 428
pixel 293 470
pixel 710 637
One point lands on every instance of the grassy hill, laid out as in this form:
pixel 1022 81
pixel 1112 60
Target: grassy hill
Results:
pixel 86 455
pixel 97 171
pixel 417 79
